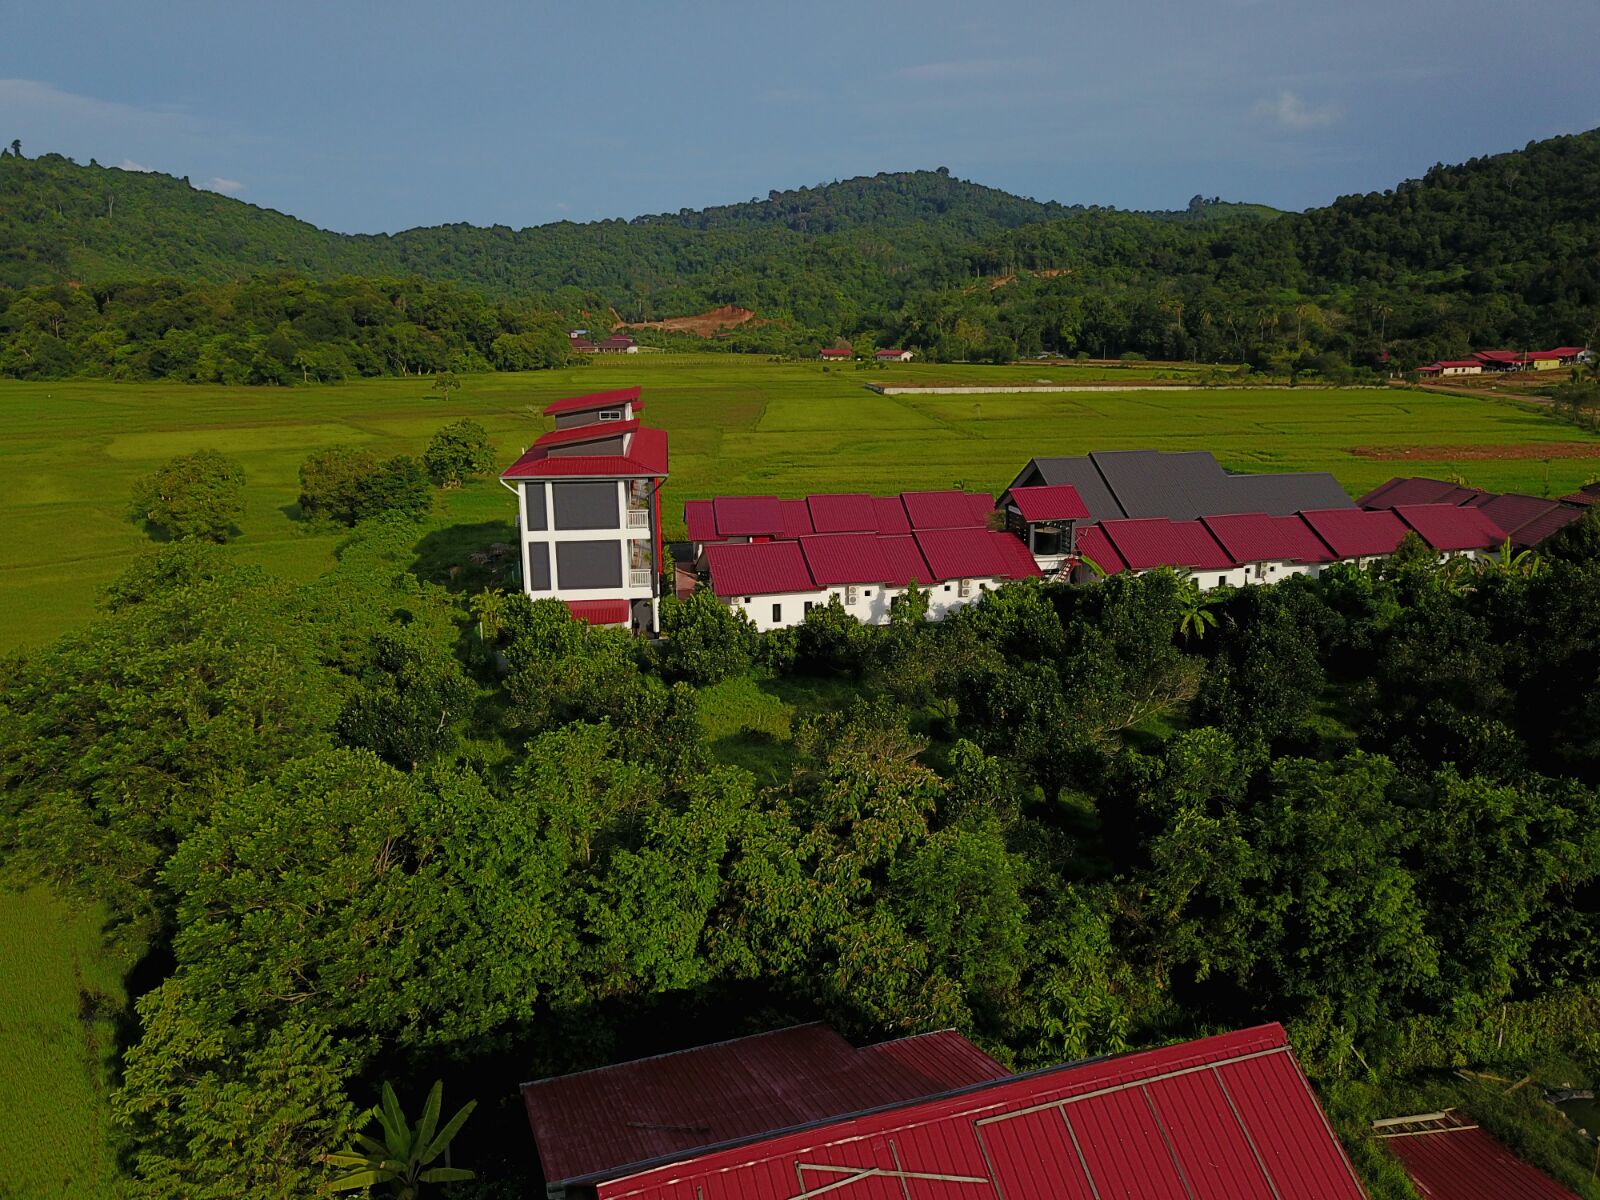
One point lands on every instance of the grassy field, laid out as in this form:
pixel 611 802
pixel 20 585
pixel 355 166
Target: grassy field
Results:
pixel 51 1056
pixel 73 449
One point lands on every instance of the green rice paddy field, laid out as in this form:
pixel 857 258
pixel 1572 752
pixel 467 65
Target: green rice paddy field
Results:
pixel 72 450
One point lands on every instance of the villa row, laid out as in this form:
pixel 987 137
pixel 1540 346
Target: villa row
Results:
pixel 1496 361
pixel 589 511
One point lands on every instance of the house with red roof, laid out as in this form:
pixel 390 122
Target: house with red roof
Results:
pixel 894 355
pixel 589 510
pixel 617 343
pixel 1452 366
pixel 836 354
pixel 1270 548
pixel 800 1113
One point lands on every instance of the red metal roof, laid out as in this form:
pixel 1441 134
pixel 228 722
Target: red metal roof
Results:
pixel 831 353
pixel 1256 537
pixel 842 512
pixel 796 518
pixel 1451 527
pixel 603 1121
pixel 891 514
pixel 748 516
pixel 1568 351
pixel 1541 527
pixel 586 433
pixel 1092 543
pixel 600 612
pixel 1458 362
pixel 1060 502
pixel 961 554
pixel 1450 1159
pixel 595 401
pixel 1496 356
pixel 1356 532
pixel 1148 542
pixel 1018 559
pixel 757 568
pixel 904 560
pixel 946 510
pixel 647 456
pixel 837 558
pixel 701 519
pixel 1418 489
pixel 1222 1117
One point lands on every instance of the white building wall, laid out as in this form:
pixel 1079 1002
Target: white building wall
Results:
pixel 641 587
pixel 791 608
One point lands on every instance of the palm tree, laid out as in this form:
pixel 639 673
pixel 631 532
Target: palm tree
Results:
pixel 1523 562
pixel 1194 611
pixel 489 606
pixel 401 1159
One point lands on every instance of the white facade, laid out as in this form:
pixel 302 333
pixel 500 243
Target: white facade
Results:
pixel 1460 369
pixel 630 537
pixel 869 603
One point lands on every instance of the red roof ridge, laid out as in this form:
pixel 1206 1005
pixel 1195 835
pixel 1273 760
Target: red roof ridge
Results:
pixel 586 433
pixel 594 400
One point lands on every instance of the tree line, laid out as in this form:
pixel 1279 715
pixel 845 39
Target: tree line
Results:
pixel 360 830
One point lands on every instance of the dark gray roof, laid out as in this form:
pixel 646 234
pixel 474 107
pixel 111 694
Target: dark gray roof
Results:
pixel 1180 485
pixel 1079 471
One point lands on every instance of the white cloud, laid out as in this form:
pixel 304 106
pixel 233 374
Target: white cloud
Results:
pixel 1289 111
pixel 128 164
pixel 45 104
pixel 218 184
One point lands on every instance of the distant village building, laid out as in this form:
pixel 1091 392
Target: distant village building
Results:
pixel 892 355
pixel 833 354
pixel 618 344
pixel 1454 366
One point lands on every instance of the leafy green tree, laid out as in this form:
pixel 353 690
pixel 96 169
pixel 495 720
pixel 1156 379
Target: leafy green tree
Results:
pixel 704 640
pixel 194 496
pixel 411 702
pixel 401 1159
pixel 458 452
pixel 347 485
pixel 445 382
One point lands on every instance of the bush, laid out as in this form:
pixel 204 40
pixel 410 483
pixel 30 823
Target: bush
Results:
pixel 347 485
pixel 457 452
pixel 197 496
pixel 704 639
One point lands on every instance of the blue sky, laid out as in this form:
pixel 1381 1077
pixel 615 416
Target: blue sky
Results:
pixel 368 117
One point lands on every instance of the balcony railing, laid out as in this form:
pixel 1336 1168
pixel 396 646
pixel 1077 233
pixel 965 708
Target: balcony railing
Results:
pixel 638 518
pixel 638 579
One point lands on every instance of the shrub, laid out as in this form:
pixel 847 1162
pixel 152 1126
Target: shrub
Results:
pixel 704 639
pixel 457 452
pixel 346 484
pixel 196 496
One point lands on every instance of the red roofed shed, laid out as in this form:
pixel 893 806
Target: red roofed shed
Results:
pixel 946 510
pixel 1060 502
pixel 842 512
pixel 748 516
pixel 1148 542
pixel 796 518
pixel 891 514
pixel 1222 1117
pixel 701 519
pixel 1449 1158
pixel 1418 489
pixel 842 558
pixel 1256 537
pixel 904 561
pixel 961 554
pixel 1019 562
pixel 757 569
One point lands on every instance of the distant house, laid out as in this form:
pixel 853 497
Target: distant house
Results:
pixel 1547 360
pixel 893 355
pixel 579 344
pixel 833 354
pixel 618 344
pixel 1453 366
pixel 1499 360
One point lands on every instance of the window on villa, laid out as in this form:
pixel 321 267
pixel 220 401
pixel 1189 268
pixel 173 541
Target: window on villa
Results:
pixel 810 604
pixel 611 414
pixel 777 612
pixel 747 599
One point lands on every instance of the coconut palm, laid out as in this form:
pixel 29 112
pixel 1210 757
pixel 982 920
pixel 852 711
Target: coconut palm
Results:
pixel 401 1159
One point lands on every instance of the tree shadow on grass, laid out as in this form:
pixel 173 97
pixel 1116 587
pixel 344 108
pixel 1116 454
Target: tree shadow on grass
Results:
pixel 469 558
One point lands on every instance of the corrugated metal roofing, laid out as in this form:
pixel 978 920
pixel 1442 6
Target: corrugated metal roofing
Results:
pixel 1418 489
pixel 1051 502
pixel 842 512
pixel 1282 494
pixel 961 554
pixel 1450 1160
pixel 1093 544
pixel 603 1121
pixel 946 510
pixel 757 568
pixel 1527 520
pixel 701 519
pixel 600 612
pixel 1019 561
pixel 1157 542
pixel 647 456
pixel 1222 1118
pixel 1079 472
pixel 595 401
pixel 1451 527
pixel 796 518
pixel 837 558
pixel 1256 537
pixel 904 560
pixel 1357 532
pixel 1151 483
pixel 1541 527
pixel 748 516
pixel 586 433
pixel 891 514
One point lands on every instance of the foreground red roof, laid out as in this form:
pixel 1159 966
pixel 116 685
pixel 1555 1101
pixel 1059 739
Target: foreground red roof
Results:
pixel 1451 527
pixel 586 433
pixel 1093 544
pixel 600 612
pixel 839 558
pixel 904 561
pixel 748 516
pixel 1149 542
pixel 1449 1158
pixel 757 568
pixel 595 401
pixel 1017 558
pixel 831 353
pixel 646 456
pixel 1418 489
pixel 796 518
pixel 946 510
pixel 1356 532
pixel 961 554
pixel 701 519
pixel 1222 1117
pixel 1060 502
pixel 598 1122
pixel 1256 537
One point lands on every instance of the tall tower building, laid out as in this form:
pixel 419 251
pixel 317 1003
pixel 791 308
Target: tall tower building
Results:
pixel 589 511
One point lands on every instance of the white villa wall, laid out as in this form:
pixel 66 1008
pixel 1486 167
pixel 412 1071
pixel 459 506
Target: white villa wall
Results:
pixel 623 534
pixel 792 608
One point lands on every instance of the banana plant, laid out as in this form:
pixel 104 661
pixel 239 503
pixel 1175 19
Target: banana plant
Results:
pixel 401 1159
